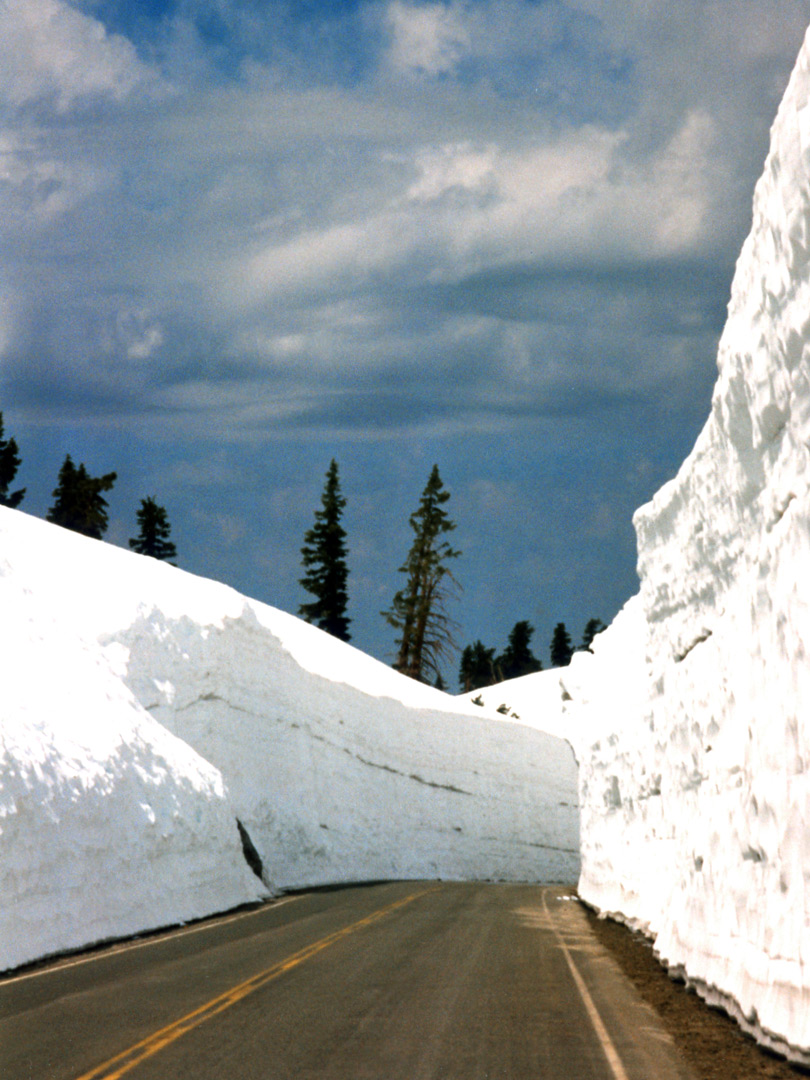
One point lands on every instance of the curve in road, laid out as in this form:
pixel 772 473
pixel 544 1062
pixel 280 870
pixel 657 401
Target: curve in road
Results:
pixel 401 981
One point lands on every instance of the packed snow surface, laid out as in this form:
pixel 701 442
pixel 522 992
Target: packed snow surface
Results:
pixel 146 711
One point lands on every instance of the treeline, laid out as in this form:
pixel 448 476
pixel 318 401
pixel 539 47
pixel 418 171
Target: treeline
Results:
pixel 79 503
pixel 481 667
pixel 419 610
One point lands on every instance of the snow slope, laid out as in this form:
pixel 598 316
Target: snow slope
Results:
pixel 597 691
pixel 533 700
pixel 696 805
pixel 103 813
pixel 145 710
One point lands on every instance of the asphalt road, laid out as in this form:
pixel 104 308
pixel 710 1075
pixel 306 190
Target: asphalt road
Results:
pixel 401 981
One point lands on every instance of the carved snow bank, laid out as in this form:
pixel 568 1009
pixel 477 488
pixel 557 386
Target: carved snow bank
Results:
pixel 336 784
pixel 109 824
pixel 696 816
pixel 144 711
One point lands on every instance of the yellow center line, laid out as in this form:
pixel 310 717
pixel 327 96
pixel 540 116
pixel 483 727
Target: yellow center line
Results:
pixel 125 1061
pixel 160 938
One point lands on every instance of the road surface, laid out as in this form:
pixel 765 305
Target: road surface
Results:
pixel 400 981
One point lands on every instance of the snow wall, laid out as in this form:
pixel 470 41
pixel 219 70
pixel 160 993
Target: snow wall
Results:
pixel 145 711
pixel 692 718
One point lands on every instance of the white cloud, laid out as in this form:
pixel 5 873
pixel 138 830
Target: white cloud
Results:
pixel 683 179
pixel 138 333
pixel 36 186
pixel 430 38
pixel 307 227
pixel 575 198
pixel 6 319
pixel 727 57
pixel 454 168
pixel 50 50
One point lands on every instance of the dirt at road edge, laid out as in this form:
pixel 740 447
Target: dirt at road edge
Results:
pixel 715 1047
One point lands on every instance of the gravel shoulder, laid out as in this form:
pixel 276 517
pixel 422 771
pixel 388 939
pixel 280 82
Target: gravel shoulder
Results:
pixel 712 1043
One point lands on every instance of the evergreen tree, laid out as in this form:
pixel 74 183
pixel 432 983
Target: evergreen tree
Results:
pixel 517 658
pixel 155 530
pixel 477 667
pixel 9 463
pixel 592 628
pixel 419 609
pixel 561 648
pixel 324 559
pixel 79 504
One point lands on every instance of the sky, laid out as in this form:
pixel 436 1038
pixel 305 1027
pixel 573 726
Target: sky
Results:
pixel 241 238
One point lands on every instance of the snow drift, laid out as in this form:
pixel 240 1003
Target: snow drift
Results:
pixel 696 793
pixel 151 722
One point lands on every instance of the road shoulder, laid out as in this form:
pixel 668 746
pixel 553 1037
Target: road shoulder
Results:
pixel 710 1041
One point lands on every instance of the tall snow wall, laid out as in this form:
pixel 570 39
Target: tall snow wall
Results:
pixel 109 824
pixel 145 711
pixel 696 802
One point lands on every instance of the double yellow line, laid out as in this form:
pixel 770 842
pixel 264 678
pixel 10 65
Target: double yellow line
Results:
pixel 128 1059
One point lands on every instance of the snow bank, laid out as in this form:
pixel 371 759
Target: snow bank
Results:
pixel 338 784
pixel 535 701
pixel 597 691
pixel 696 801
pixel 145 710
pixel 108 823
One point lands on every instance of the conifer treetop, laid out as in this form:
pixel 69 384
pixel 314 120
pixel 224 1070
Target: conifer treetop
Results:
pixel 79 504
pixel 561 648
pixel 155 530
pixel 323 557
pixel 419 609
pixel 9 463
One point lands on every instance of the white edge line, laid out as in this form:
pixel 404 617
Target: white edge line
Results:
pixel 155 938
pixel 611 1053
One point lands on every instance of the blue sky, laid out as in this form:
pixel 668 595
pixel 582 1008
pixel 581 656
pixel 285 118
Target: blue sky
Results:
pixel 241 238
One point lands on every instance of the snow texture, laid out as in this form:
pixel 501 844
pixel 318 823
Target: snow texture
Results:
pixel 145 711
pixel 533 700
pixel 696 789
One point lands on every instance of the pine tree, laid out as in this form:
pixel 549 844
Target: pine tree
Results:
pixel 517 658
pixel 592 628
pixel 324 559
pixel 79 504
pixel 419 609
pixel 155 530
pixel 561 648
pixel 477 667
pixel 9 463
